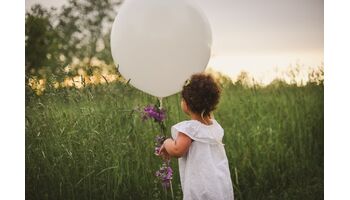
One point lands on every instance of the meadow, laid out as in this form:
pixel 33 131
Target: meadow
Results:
pixel 90 143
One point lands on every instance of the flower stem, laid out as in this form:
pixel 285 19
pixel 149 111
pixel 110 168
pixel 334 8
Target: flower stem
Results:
pixel 171 189
pixel 159 105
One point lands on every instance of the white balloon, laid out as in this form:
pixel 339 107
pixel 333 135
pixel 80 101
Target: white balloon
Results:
pixel 158 44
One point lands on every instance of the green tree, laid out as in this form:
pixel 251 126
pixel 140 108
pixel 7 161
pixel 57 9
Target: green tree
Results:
pixel 85 26
pixel 79 29
pixel 38 38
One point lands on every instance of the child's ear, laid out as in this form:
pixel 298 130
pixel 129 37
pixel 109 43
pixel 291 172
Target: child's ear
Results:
pixel 184 106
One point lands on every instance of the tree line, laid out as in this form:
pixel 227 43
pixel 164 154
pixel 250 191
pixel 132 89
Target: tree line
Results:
pixel 78 30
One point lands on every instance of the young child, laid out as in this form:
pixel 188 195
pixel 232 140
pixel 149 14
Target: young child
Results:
pixel 203 165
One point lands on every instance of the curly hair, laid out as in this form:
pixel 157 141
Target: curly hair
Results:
pixel 201 93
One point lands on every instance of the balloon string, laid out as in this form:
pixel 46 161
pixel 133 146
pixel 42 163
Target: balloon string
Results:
pixel 160 102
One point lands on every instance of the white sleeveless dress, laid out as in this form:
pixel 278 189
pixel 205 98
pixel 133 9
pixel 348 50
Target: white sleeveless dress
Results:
pixel 204 171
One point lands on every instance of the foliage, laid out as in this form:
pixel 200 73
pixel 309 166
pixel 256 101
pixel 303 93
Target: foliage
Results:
pixel 78 31
pixel 39 45
pixel 89 144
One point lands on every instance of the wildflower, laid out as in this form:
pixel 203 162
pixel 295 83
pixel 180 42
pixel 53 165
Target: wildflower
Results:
pixel 165 174
pixel 154 113
pixel 159 141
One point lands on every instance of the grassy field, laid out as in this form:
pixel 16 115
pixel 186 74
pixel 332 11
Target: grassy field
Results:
pixel 88 144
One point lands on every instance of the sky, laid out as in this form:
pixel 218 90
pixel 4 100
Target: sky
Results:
pixel 263 38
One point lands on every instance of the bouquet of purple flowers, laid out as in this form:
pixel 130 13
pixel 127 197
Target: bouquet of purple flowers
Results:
pixel 165 173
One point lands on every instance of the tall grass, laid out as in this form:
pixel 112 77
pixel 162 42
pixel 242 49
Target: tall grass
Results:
pixel 89 144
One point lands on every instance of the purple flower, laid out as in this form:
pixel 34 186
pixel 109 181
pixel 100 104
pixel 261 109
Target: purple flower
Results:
pixel 165 174
pixel 152 112
pixel 159 141
pixel 156 150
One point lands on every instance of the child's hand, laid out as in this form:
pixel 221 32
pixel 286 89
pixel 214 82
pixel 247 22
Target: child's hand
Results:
pixel 163 153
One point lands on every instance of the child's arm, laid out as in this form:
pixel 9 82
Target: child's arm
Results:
pixel 178 147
